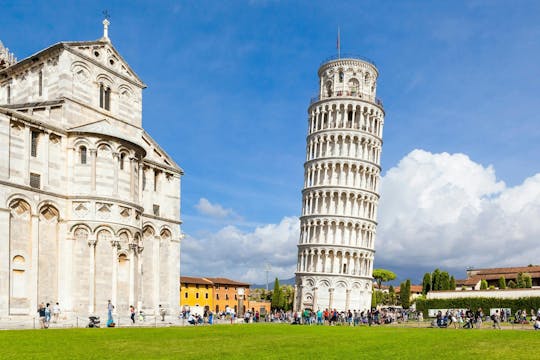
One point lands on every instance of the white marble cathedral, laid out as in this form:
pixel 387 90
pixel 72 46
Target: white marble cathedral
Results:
pixel 89 202
pixel 341 189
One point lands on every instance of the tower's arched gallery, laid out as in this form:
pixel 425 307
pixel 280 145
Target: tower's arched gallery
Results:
pixel 89 202
pixel 341 189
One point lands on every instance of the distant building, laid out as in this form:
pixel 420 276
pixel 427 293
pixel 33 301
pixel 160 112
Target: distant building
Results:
pixel 196 292
pixel 492 276
pixel 416 291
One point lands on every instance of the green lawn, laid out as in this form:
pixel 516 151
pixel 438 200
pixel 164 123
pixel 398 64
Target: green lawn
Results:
pixel 269 341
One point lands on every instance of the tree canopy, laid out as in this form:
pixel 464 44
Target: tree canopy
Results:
pixel 383 275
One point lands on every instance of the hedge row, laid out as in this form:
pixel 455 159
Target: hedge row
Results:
pixel 526 303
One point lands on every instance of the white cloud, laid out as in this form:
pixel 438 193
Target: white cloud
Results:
pixel 242 255
pixel 443 210
pixel 436 210
pixel 205 207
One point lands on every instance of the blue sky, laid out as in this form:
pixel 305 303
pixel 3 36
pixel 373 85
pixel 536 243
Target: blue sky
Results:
pixel 229 83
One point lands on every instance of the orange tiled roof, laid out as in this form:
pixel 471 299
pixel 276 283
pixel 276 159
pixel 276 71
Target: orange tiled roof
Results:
pixel 225 281
pixel 195 280
pixel 508 270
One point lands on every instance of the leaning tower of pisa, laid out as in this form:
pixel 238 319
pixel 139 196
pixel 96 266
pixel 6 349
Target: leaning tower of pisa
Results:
pixel 341 188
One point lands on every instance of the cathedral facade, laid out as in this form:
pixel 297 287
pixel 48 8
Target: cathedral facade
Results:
pixel 89 202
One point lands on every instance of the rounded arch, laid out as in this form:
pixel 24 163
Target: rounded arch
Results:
pixel 105 79
pixel 16 200
pixel 100 228
pixel 324 283
pixel 74 228
pixel 148 228
pixel 82 141
pixel 165 234
pixel 124 235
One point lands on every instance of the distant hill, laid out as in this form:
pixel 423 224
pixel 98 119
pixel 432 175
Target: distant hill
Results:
pixel 271 284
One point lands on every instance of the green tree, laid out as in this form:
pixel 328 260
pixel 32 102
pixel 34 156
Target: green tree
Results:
pixel 520 281
pixel 512 284
pixel 445 281
pixel 391 295
pixel 383 275
pixel 436 280
pixel 452 283
pixel 276 296
pixel 483 284
pixel 502 283
pixel 527 279
pixel 287 297
pixel 405 294
pixel 426 283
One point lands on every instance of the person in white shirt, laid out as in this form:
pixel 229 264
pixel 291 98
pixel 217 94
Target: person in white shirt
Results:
pixel 56 312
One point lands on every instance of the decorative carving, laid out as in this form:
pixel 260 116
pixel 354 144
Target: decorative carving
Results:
pixel 103 210
pixel 80 208
pixel 125 212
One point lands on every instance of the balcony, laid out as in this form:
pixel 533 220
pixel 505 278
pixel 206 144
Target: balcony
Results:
pixel 348 56
pixel 351 94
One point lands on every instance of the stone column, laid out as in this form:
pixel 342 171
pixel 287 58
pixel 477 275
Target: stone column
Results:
pixel 331 299
pixel 92 275
pixel 45 170
pixel 347 299
pixel 65 266
pixel 315 299
pixel 133 249
pixel 5 260
pixel 93 159
pixel 34 293
pixel 116 159
pixel 115 244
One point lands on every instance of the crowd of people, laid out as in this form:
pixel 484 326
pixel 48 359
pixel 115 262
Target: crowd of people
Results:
pixel 469 319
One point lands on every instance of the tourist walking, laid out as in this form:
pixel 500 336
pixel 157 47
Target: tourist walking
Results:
pixel 132 314
pixel 162 312
pixel 41 313
pixel 110 308
pixel 48 314
pixel 496 320
pixel 56 312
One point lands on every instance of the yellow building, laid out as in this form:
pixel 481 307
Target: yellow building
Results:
pixel 218 295
pixel 196 292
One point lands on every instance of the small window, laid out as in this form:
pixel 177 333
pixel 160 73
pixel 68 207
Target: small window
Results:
pixel 341 76
pixel 226 287
pixel 206 296
pixel 8 94
pixel 217 296
pixel 186 295
pixel 104 97
pixel 226 296
pixel 156 180
pixel 197 295
pixel 156 212
pixel 40 83
pixel 83 154
pixel 35 180
pixel 34 143
pixel 122 157
pixel 197 286
pixel 144 180
pixel 235 298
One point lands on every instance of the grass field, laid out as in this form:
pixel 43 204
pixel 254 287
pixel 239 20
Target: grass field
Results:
pixel 269 341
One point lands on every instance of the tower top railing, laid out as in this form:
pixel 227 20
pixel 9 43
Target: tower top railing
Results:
pixel 350 94
pixel 347 56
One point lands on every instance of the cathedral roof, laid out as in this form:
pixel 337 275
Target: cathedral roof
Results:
pixel 103 127
pixel 84 50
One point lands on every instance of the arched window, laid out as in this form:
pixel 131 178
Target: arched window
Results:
pixel 341 76
pixel 104 97
pixel 82 150
pixel 122 157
